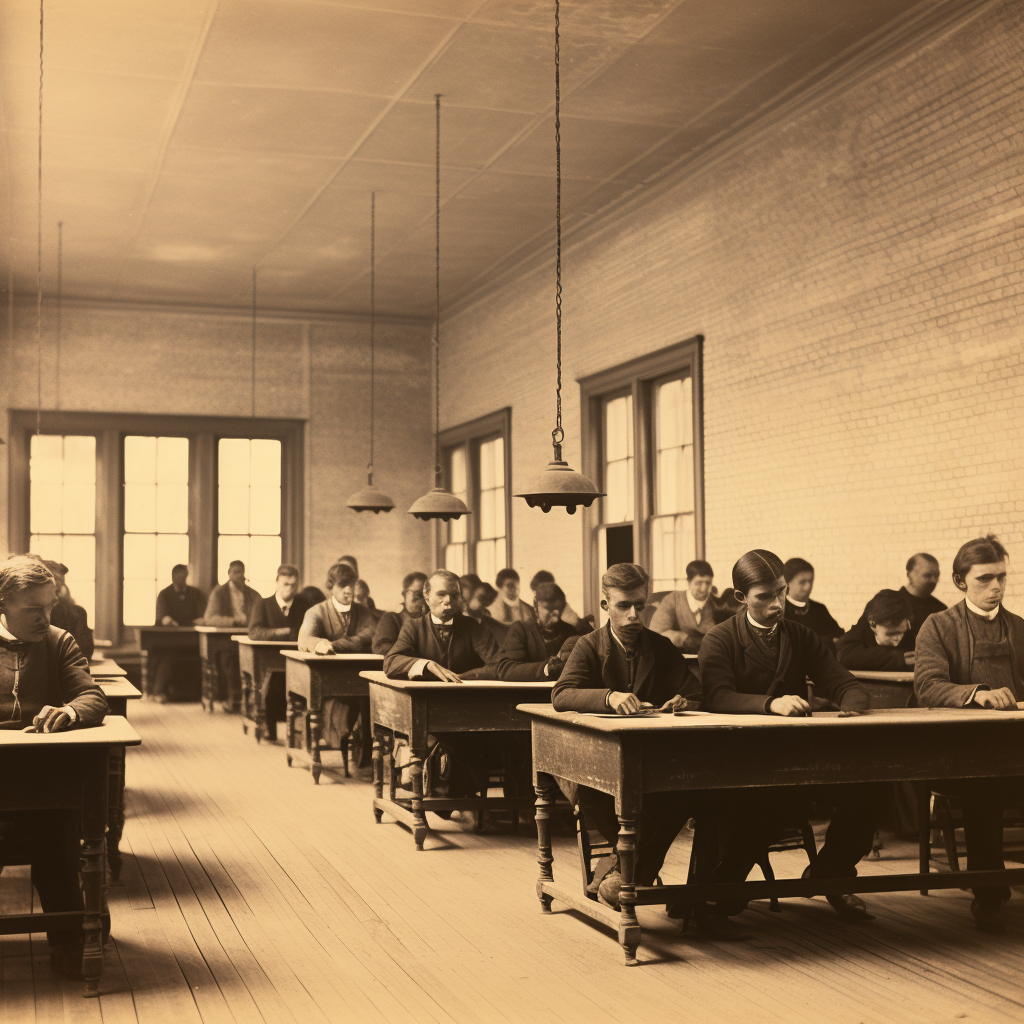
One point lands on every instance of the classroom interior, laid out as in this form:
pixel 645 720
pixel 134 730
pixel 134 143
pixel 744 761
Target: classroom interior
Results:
pixel 790 259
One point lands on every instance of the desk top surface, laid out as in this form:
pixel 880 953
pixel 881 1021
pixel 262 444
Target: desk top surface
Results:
pixel 207 629
pixel 466 684
pixel 169 629
pixel 113 729
pixel 104 668
pixel 329 659
pixel 703 720
pixel 241 638
pixel 887 677
pixel 119 688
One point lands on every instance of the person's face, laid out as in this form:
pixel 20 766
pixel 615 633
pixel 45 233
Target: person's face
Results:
pixel 478 605
pixel 412 600
pixel 343 593
pixel 362 592
pixel 800 586
pixel 766 601
pixel 889 636
pixel 510 589
pixel 466 588
pixel 287 587
pixel 236 575
pixel 28 612
pixel 624 608
pixel 700 587
pixel 178 578
pixel 550 612
pixel 923 578
pixel 444 598
pixel 986 585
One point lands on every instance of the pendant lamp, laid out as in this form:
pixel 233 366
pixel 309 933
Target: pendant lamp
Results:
pixel 369 499
pixel 559 484
pixel 438 503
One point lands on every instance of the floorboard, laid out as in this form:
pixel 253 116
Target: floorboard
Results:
pixel 250 895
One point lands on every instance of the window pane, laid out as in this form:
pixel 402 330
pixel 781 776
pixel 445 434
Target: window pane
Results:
pixel 619 485
pixel 79 555
pixel 45 507
pixel 233 461
pixel 487 559
pixel 455 558
pixel 139 602
pixel 487 480
pixel 140 556
pixel 140 508
pixel 486 513
pixel 457 471
pixel 171 508
pixel 172 460
pixel 140 460
pixel 265 462
pixel 46 460
pixel 233 508
pixel 80 460
pixel 79 502
pixel 499 512
pixel 457 531
pixel 264 558
pixel 171 550
pixel 264 509
pixel 617 412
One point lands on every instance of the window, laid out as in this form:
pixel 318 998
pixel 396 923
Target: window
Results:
pixel 134 495
pixel 477 467
pixel 642 424
pixel 249 509
pixel 155 520
pixel 62 509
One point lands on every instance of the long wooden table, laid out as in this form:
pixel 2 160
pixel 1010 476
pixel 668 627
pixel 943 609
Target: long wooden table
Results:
pixel 627 757
pixel 118 692
pixel 415 708
pixel 213 640
pixel 257 661
pixel 314 678
pixel 887 689
pixel 165 641
pixel 80 759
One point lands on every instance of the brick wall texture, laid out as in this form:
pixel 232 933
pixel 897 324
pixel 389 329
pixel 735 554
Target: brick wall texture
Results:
pixel 856 273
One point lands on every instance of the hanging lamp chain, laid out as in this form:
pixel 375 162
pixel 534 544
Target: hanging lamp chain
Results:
pixel 373 314
pixel 39 240
pixel 558 435
pixel 437 293
pixel 60 302
pixel 253 368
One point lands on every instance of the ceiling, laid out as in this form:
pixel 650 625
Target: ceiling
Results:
pixel 186 142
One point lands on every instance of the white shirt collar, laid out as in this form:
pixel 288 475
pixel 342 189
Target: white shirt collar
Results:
pixel 342 609
pixel 757 625
pixel 794 601
pixel 285 606
pixel 5 632
pixel 695 605
pixel 977 611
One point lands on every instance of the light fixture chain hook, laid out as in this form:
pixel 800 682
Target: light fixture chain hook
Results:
pixel 437 294
pixel 373 324
pixel 557 434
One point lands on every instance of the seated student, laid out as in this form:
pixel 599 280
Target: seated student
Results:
pixel 534 650
pixel 179 604
pixel 617 668
pixel 800 608
pixel 568 615
pixel 758 663
pixel 338 625
pixel 350 561
pixel 67 614
pixel 873 644
pixel 972 656
pixel 312 595
pixel 481 598
pixel 231 604
pixel 279 616
pixel 362 596
pixel 413 606
pixel 172 675
pixel 44 687
pixel 685 616
pixel 507 607
pixel 467 585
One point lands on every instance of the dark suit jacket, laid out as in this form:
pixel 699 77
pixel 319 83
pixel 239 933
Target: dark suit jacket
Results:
pixel 815 617
pixel 857 648
pixel 945 651
pixel 322 622
pixel 499 630
pixel 591 673
pixel 387 630
pixel 74 618
pixel 183 608
pixel 268 622
pixel 737 676
pixel 920 609
pixel 525 653
pixel 472 653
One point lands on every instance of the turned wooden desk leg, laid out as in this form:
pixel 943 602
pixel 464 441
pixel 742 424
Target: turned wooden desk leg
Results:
pixel 378 771
pixel 629 926
pixel 420 829
pixel 315 736
pixel 924 826
pixel 247 712
pixel 291 715
pixel 394 774
pixel 115 811
pixel 261 714
pixel 544 786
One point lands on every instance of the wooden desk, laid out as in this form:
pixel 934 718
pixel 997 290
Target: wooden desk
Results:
pixel 257 660
pixel 887 689
pixel 212 640
pixel 155 641
pixel 80 758
pixel 313 677
pixel 415 708
pixel 628 757
pixel 118 692
pixel 104 668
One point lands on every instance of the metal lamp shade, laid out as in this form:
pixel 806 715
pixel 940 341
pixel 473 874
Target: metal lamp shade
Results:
pixel 560 486
pixel 369 499
pixel 438 504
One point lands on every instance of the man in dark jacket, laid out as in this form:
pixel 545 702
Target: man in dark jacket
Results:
pixel 231 604
pixel 179 604
pixel 874 643
pixel 391 623
pixel 279 616
pixel 535 649
pixel 44 687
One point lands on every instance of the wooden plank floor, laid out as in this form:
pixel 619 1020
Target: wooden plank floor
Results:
pixel 249 895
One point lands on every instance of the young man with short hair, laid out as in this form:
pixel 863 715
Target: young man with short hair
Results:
pixel 686 616
pixel 537 650
pixel 231 604
pixel 874 644
pixel 279 616
pixel 507 607
pixel 800 608
pixel 179 604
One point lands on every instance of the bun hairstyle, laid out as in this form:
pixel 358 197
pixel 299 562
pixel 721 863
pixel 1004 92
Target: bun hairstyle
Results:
pixel 888 608
pixel 979 551
pixel 756 568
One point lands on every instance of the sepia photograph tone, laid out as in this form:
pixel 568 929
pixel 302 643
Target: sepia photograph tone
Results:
pixel 509 511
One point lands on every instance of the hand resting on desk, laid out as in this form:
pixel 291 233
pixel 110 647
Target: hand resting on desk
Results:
pixel 442 673
pixel 50 719
pixel 1001 699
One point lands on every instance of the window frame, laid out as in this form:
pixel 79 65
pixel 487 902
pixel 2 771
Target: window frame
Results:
pixel 110 429
pixel 638 376
pixel 470 436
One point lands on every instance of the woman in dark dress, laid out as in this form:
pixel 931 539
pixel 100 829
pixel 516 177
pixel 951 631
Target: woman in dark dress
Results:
pixel 814 615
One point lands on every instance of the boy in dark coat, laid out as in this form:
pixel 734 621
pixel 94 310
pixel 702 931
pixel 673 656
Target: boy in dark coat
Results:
pixel 874 643
pixel 391 623
pixel 534 650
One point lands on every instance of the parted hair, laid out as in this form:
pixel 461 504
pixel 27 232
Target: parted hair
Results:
pixel 411 578
pixel 290 571
pixel 888 608
pixel 912 560
pixel 979 551
pixel 446 574
pixel 19 572
pixel 624 576
pixel 759 567
pixel 792 568
pixel 550 593
pixel 698 567
pixel 341 574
